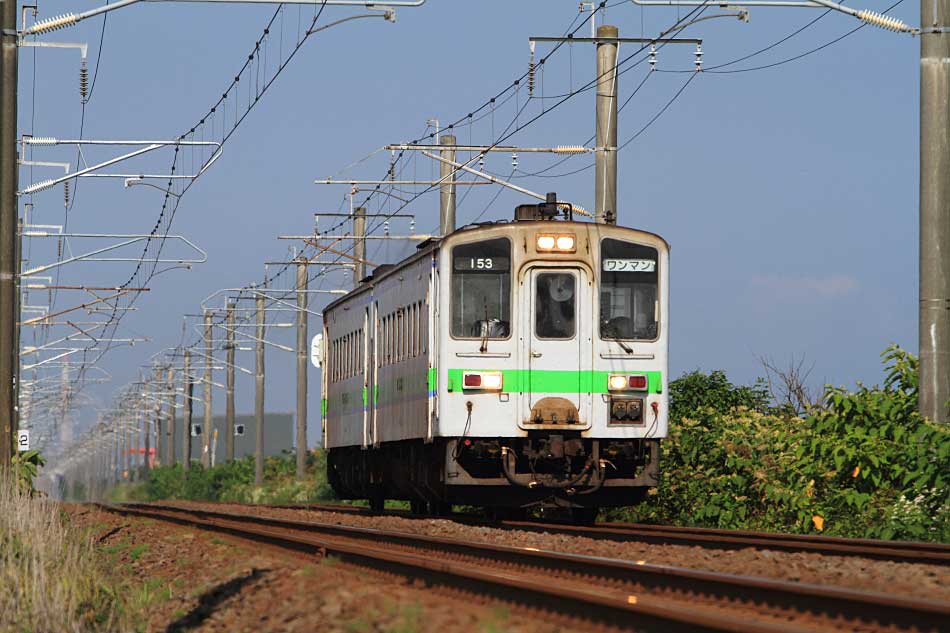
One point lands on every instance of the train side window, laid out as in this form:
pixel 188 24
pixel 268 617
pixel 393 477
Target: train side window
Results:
pixel 481 290
pixel 555 305
pixel 411 327
pixel 629 275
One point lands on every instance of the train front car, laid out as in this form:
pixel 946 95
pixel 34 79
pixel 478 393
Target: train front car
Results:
pixel 552 363
pixel 505 365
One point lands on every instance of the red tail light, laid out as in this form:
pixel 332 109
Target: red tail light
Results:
pixel 638 382
pixel 473 380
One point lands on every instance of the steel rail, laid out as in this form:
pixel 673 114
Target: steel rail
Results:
pixel 899 551
pixel 684 597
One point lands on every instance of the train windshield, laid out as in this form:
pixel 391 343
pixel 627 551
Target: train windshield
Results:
pixel 628 291
pixel 481 289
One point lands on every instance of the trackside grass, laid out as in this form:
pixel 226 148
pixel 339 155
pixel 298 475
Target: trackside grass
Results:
pixel 49 580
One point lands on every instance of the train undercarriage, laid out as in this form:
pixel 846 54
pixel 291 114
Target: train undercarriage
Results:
pixel 543 469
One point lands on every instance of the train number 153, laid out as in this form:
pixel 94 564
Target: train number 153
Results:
pixel 481 263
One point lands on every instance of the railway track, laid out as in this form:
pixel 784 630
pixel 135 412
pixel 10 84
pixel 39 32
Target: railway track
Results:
pixel 621 593
pixel 899 551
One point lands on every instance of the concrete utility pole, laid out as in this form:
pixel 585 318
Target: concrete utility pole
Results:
pixel 934 321
pixel 259 394
pixel 605 157
pixel 209 421
pixel 148 434
pixel 157 408
pixel 134 467
pixel 170 418
pixel 9 264
pixel 186 416
pixel 447 188
pixel 301 369
pixel 359 244
pixel 229 391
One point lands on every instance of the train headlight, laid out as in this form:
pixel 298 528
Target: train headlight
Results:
pixel 617 383
pixel 483 380
pixel 621 382
pixel 564 243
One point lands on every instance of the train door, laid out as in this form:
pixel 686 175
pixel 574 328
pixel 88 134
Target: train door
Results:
pixel 557 309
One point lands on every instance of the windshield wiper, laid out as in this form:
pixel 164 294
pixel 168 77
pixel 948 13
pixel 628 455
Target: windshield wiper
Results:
pixel 612 328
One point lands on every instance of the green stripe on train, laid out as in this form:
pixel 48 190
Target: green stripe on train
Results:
pixel 555 380
pixel 527 381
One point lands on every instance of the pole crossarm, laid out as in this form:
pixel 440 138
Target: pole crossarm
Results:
pixel 89 171
pixel 559 149
pixel 79 307
pixel 69 19
pixel 127 240
pixel 503 183
pixel 865 15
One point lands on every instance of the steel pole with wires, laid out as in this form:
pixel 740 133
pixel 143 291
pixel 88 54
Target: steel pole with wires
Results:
pixel 187 391
pixel 229 387
pixel 209 420
pixel 259 393
pixel 934 314
pixel 359 245
pixel 447 188
pixel 605 158
pixel 301 369
pixel 9 266
pixel 170 419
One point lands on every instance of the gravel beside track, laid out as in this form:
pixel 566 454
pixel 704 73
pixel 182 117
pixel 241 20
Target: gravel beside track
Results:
pixel 609 590
pixel 919 580
pixel 897 551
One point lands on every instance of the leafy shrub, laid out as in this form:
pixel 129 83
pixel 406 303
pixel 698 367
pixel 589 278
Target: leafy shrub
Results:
pixel 697 392
pixel 864 464
pixel 234 482
pixel 25 466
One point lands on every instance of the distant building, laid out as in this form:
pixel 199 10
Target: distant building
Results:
pixel 278 436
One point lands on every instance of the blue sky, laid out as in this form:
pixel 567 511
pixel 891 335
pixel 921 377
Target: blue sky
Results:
pixel 789 194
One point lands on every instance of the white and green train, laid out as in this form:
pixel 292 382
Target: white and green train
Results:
pixel 504 365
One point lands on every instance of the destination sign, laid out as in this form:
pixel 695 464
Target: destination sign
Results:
pixel 629 265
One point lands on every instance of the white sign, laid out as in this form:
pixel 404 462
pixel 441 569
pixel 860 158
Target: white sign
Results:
pixel 23 440
pixel 629 265
pixel 316 350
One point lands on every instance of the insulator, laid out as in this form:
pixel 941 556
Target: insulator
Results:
pixel 84 82
pixel 43 184
pixel 386 228
pixel 40 140
pixel 412 226
pixel 45 26
pixel 531 68
pixel 570 149
pixel 481 162
pixel 652 56
pixel 883 21
pixel 59 248
pixel 699 57
pixel 514 160
pixel 66 193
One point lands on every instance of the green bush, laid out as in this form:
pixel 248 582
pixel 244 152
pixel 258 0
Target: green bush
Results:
pixel 234 482
pixel 864 464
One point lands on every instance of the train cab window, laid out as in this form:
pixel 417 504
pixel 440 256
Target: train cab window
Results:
pixel 481 289
pixel 555 305
pixel 628 290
